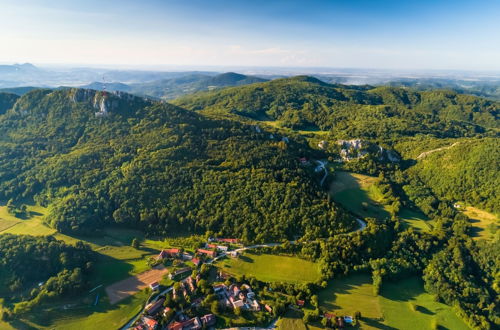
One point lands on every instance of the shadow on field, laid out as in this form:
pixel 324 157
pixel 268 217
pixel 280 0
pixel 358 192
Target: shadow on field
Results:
pixel 246 259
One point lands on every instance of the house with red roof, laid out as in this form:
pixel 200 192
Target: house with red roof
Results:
pixel 196 261
pixel 169 253
pixel 209 253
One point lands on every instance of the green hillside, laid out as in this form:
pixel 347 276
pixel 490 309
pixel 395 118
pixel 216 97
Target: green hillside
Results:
pixel 96 159
pixel 349 111
pixel 466 170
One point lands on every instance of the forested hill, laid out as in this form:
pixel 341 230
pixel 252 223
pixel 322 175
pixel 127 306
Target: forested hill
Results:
pixel 111 158
pixel 465 171
pixel 7 100
pixel 353 111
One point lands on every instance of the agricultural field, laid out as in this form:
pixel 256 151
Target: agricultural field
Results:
pixel 359 194
pixel 401 305
pixel 31 225
pixel 271 268
pixel 484 224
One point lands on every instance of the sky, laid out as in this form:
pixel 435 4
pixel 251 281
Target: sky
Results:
pixel 376 34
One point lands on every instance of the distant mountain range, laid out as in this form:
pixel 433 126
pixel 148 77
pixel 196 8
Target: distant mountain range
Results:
pixel 177 86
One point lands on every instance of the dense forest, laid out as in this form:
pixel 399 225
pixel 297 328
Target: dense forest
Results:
pixel 465 172
pixel 158 167
pixel 37 269
pixel 353 111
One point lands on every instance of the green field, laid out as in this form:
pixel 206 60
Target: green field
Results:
pixel 272 268
pixel 292 320
pixel 401 305
pixel 484 224
pixel 407 306
pixel 359 194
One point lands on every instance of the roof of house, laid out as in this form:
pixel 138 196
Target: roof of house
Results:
pixel 209 252
pixel 228 240
pixel 150 322
pixel 301 302
pixel 195 261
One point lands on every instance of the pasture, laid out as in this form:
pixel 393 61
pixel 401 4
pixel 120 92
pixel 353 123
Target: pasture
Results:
pixel 271 268
pixel 484 224
pixel 400 305
pixel 358 194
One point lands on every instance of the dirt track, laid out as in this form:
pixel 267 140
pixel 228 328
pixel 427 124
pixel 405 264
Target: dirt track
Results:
pixel 123 289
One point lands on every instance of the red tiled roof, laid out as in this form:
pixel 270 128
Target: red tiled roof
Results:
pixel 150 322
pixel 207 252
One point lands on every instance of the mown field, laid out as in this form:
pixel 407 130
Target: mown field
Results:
pixel 359 194
pixel 271 268
pixel 484 224
pixel 401 305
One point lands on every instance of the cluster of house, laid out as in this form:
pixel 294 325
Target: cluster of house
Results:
pixel 238 297
pixel 195 323
pixel 211 250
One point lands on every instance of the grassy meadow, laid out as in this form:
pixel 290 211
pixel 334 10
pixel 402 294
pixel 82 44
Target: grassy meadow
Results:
pixel 400 305
pixel 484 224
pixel 359 194
pixel 271 268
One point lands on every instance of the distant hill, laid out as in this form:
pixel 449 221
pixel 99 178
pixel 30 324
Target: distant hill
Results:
pixel 18 90
pixel 486 88
pixel 352 111
pixel 178 85
pixel 108 86
pixel 175 87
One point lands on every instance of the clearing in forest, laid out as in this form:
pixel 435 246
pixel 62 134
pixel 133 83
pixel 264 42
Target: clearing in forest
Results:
pixel 359 194
pixel 484 224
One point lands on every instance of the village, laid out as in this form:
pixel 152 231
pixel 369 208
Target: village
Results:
pixel 195 294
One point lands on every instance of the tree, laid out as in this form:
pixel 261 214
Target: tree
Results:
pixel 215 308
pixel 237 311
pixel 135 243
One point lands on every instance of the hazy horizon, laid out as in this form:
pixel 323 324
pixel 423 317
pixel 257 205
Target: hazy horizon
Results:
pixel 382 35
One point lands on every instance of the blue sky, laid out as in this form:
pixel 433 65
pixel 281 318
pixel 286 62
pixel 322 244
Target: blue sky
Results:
pixel 390 34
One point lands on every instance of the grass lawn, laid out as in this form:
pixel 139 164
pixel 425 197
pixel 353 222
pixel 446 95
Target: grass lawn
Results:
pixel 401 305
pixel 359 194
pixel 354 190
pixel 86 316
pixel 272 268
pixel 347 295
pixel 482 222
pixel 406 305
pixel 30 226
pixel 415 219
pixel 292 320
